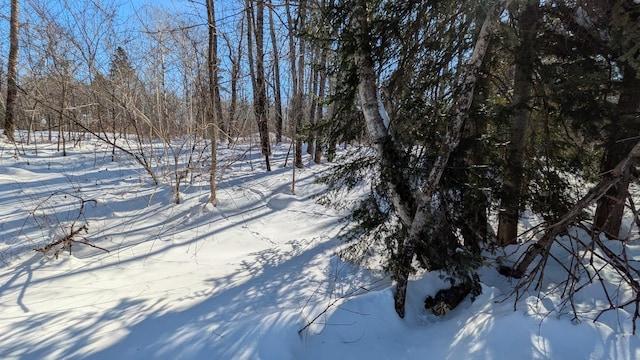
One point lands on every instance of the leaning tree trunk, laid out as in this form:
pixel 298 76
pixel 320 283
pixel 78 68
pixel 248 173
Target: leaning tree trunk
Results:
pixel 12 74
pixel 542 246
pixel 514 172
pixel 414 210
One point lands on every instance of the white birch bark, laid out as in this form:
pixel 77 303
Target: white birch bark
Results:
pixel 418 214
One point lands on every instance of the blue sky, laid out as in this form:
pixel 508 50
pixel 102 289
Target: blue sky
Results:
pixel 128 34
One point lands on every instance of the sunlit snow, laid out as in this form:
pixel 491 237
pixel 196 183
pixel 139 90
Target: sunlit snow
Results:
pixel 254 278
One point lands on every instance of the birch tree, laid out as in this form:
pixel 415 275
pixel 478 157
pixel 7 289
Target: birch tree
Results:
pixel 415 207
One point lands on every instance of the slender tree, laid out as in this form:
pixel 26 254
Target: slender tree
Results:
pixel 296 65
pixel 317 154
pixel 276 75
pixel 519 127
pixel 214 96
pixel 260 90
pixel 415 207
pixel 12 73
pixel 312 90
pixel 235 57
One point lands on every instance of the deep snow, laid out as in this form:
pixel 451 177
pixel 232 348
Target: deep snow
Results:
pixel 238 281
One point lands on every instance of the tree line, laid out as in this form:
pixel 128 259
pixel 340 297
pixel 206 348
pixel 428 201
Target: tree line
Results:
pixel 474 109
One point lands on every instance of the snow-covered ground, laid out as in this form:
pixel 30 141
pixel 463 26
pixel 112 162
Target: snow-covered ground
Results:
pixel 254 278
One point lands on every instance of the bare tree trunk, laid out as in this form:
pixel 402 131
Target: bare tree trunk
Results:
pixel 414 209
pixel 214 94
pixel 260 102
pixel 250 57
pixel 519 132
pixel 235 78
pixel 161 92
pixel 257 72
pixel 63 105
pixel 313 91
pixel 12 74
pixel 276 76
pixel 233 106
pixel 610 209
pixel 317 155
pixel 297 76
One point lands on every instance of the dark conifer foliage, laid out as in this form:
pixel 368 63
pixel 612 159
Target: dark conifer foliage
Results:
pixel 414 49
pixel 573 64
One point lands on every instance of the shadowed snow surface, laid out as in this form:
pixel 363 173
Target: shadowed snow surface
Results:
pixel 238 281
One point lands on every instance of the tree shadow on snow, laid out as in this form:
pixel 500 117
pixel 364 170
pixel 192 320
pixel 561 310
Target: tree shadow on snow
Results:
pixel 223 325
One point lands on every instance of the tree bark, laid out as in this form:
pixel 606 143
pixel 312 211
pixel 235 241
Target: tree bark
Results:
pixel 317 155
pixel 260 100
pixel 214 98
pixel 233 106
pixel 519 132
pixel 414 210
pixel 313 91
pixel 234 75
pixel 297 75
pixel 610 208
pixel 250 57
pixel 276 76
pixel 12 73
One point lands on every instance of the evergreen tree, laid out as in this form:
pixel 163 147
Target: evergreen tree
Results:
pixel 120 69
pixel 625 120
pixel 414 128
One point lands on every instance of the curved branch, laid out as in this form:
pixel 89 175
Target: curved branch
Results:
pixel 570 218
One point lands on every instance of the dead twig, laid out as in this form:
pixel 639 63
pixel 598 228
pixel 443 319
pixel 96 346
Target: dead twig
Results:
pixel 78 226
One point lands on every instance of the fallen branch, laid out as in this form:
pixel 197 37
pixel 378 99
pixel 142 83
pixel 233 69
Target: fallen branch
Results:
pixel 541 248
pixel 64 243
pixel 74 235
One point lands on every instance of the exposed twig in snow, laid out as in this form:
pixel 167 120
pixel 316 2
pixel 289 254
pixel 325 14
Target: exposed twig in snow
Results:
pixel 75 231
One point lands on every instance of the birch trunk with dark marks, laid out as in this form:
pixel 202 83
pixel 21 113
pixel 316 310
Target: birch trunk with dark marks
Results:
pixel 413 206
